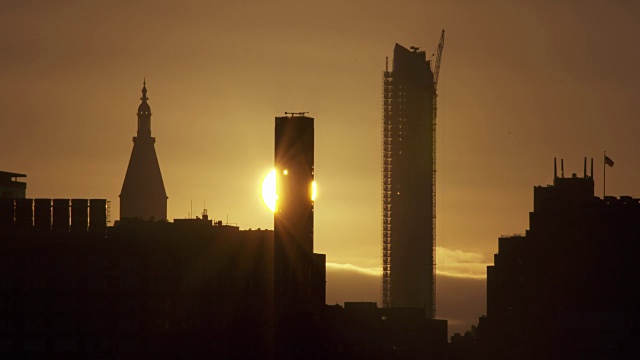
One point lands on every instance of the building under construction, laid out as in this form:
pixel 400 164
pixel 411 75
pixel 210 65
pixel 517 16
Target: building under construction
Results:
pixel 408 179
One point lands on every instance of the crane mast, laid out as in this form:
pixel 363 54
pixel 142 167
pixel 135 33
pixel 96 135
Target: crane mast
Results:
pixel 436 75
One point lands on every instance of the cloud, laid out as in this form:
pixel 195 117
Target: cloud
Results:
pixel 377 271
pixel 460 287
pixel 451 263
pixel 458 256
pixel 461 264
pixel 347 282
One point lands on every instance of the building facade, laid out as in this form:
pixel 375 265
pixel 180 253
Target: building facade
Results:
pixel 408 181
pixel 143 194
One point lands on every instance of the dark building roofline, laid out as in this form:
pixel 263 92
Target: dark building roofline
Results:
pixel 6 174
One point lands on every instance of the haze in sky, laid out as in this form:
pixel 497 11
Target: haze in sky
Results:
pixel 521 82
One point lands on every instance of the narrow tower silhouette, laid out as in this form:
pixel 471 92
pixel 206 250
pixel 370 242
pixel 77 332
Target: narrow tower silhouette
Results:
pixel 299 273
pixel 143 194
pixel 295 260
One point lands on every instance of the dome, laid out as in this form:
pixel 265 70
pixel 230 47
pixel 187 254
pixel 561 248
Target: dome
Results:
pixel 144 108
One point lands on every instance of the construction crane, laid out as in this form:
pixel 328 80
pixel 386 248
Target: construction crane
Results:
pixel 436 72
pixel 436 75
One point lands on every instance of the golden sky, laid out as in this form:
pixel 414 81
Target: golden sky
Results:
pixel 521 82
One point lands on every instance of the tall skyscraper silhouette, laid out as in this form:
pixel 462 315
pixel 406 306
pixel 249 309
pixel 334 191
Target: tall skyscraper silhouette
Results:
pixel 294 159
pixel 293 218
pixel 408 192
pixel 299 273
pixel 143 194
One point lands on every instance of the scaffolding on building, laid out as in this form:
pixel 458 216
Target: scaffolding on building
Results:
pixel 436 75
pixel 386 186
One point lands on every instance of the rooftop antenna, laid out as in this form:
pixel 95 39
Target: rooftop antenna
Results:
pixel 585 167
pixel 555 169
pixel 562 168
pixel 191 212
pixel 592 168
pixel 205 213
pixel 386 64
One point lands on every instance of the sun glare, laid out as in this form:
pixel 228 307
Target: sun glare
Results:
pixel 269 195
pixel 314 191
pixel 269 190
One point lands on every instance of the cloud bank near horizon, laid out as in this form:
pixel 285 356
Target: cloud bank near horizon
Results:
pixel 460 286
pixel 452 263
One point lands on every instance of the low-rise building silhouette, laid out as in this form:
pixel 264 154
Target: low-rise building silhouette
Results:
pixel 362 330
pixel 188 289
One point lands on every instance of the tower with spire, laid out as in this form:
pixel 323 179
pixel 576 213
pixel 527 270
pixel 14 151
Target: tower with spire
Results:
pixel 143 194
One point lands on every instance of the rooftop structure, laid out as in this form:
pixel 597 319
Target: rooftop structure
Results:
pixel 10 187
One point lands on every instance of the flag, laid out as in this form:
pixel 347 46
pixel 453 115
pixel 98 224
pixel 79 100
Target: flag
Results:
pixel 608 161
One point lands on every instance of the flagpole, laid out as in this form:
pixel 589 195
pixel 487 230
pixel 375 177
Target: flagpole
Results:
pixel 604 180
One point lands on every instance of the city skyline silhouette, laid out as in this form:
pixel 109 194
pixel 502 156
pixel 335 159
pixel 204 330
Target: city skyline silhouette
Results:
pixel 523 85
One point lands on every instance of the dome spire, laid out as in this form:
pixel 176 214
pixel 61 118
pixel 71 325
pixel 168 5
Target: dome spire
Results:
pixel 144 90
pixel 144 113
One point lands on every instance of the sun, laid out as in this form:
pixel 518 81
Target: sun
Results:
pixel 269 195
pixel 269 192
pixel 314 191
